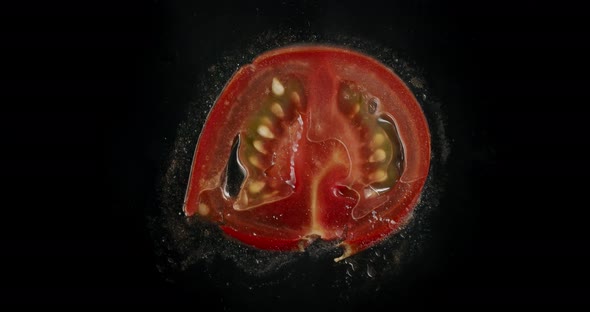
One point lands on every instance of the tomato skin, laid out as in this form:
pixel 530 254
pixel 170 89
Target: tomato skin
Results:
pixel 325 200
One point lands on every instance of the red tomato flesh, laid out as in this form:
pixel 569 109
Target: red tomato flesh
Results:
pixel 332 143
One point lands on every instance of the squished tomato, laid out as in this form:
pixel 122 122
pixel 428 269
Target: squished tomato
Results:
pixel 331 144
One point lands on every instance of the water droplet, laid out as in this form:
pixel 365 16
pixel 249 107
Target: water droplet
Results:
pixel 371 271
pixel 372 105
pixel 351 264
pixel 349 272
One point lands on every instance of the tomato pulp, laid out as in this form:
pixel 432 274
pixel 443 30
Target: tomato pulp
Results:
pixel 330 142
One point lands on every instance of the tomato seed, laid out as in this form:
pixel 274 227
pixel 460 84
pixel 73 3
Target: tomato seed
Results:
pixel 378 155
pixel 277 110
pixel 265 132
pixel 277 87
pixel 378 139
pixel 254 161
pixel 203 209
pixel 256 186
pixel 379 176
pixel 295 97
pixel 259 146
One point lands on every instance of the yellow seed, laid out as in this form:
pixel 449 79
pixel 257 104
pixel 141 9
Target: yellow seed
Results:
pixel 378 139
pixel 203 209
pixel 379 175
pixel 277 110
pixel 277 87
pixel 265 132
pixel 378 155
pixel 295 97
pixel 355 109
pixel 265 121
pixel 259 146
pixel 254 161
pixel 256 186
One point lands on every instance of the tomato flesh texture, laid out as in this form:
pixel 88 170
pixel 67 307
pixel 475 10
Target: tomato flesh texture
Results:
pixel 312 167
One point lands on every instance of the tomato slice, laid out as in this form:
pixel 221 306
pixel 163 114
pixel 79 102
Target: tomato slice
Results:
pixel 332 145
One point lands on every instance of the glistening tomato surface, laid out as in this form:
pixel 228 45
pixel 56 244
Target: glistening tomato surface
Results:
pixel 331 144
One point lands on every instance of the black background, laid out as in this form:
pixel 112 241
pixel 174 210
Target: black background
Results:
pixel 87 103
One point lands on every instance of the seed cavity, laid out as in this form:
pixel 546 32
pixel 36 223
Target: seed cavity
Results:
pixel 265 132
pixel 378 156
pixel 234 171
pixel 277 87
pixel 256 186
pixel 379 175
pixel 259 146
pixel 277 110
pixel 204 209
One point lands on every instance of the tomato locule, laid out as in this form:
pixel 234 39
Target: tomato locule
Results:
pixel 329 144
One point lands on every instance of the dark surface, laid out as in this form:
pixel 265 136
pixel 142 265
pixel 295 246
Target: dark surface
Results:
pixel 93 96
